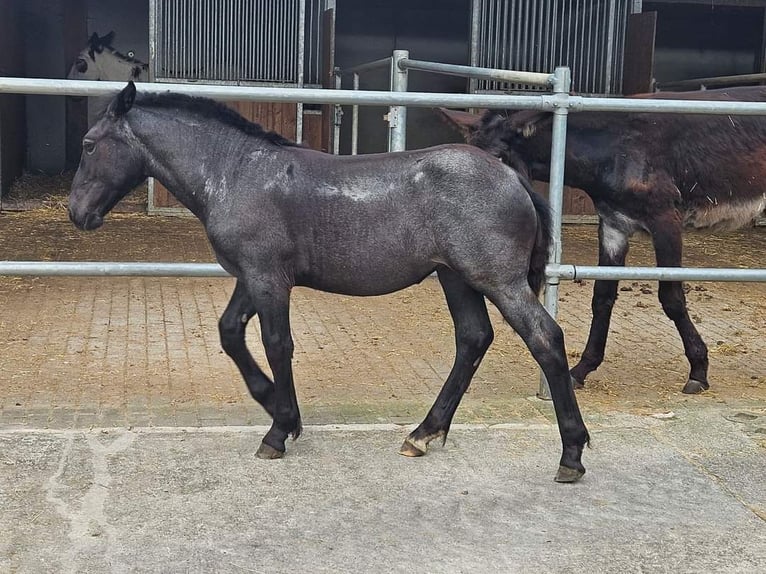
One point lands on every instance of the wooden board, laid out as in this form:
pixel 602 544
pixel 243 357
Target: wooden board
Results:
pixel 638 64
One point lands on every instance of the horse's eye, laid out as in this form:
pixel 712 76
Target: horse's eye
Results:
pixel 81 65
pixel 89 146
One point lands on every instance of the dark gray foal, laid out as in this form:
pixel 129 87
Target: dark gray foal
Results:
pixel 279 215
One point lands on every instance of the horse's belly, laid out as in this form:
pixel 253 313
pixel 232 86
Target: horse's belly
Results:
pixel 364 280
pixel 725 215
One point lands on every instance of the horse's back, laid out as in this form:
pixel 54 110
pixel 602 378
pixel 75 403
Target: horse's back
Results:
pixel 376 223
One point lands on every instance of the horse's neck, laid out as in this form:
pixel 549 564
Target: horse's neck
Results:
pixel 189 161
pixel 116 69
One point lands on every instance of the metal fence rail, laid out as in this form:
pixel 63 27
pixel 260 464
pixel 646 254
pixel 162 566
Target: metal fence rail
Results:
pixel 563 271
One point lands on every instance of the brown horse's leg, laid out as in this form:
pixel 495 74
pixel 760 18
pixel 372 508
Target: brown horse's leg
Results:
pixel 612 251
pixel 545 340
pixel 232 327
pixel 473 336
pixel 668 246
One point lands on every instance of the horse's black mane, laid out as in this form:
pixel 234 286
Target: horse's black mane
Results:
pixel 214 110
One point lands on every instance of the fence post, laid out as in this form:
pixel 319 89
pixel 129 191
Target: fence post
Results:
pixel 562 80
pixel 397 115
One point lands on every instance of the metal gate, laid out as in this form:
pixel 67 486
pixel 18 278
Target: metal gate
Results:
pixel 272 42
pixel 538 35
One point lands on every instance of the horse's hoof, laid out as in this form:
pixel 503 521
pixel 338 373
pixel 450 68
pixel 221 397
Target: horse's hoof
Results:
pixel 694 387
pixel 576 385
pixel 566 474
pixel 268 452
pixel 409 448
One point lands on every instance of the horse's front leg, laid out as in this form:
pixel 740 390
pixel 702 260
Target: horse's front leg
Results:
pixel 273 307
pixel 668 248
pixel 612 251
pixel 232 326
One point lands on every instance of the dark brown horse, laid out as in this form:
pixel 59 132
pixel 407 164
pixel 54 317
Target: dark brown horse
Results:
pixel 647 172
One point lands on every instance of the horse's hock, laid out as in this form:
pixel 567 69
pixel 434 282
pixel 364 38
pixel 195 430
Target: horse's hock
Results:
pixel 145 351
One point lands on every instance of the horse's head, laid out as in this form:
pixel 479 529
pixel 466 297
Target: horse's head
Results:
pixel 504 134
pixel 86 67
pixel 111 164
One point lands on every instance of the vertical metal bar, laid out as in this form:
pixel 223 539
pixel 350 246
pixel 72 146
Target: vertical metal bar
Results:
pixel 520 33
pixel 355 121
pixel 505 23
pixel 589 56
pixel 229 41
pixel 182 35
pixel 610 47
pixel 152 39
pixel 299 61
pixel 235 36
pixel 598 49
pixel 336 119
pixel 561 86
pixel 474 49
pixel 534 40
pixel 397 115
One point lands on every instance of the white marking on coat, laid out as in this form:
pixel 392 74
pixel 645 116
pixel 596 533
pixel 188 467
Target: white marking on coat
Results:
pixel 725 216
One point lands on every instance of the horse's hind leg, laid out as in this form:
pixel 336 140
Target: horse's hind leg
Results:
pixel 473 336
pixel 668 247
pixel 612 251
pixel 545 340
pixel 232 327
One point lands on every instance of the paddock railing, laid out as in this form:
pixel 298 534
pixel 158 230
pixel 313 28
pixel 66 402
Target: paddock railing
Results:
pixel 560 103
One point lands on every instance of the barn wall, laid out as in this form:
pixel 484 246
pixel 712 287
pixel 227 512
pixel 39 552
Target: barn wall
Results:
pixel 703 40
pixel 436 30
pixel 43 23
pixel 12 127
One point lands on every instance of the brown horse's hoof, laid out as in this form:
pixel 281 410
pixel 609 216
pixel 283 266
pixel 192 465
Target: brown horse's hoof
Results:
pixel 409 448
pixel 566 474
pixel 694 387
pixel 267 452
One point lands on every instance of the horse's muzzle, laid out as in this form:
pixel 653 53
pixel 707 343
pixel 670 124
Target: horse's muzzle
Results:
pixel 87 221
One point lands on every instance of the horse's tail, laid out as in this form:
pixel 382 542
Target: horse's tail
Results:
pixel 536 275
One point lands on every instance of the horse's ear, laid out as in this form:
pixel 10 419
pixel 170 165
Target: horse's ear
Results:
pixel 107 40
pixel 525 122
pixel 123 102
pixel 464 122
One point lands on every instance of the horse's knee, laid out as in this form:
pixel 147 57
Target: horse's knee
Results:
pixel 475 342
pixel 673 302
pixel 278 345
pixel 604 296
pixel 548 347
pixel 231 331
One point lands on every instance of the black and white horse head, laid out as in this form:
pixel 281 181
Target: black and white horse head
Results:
pixel 100 61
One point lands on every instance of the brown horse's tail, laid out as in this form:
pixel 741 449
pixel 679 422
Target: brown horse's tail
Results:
pixel 539 259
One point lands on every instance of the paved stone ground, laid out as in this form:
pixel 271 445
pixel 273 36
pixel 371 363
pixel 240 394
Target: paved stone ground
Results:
pixel 127 440
pixel 144 351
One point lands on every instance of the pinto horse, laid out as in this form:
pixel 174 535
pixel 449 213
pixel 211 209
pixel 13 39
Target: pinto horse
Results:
pixel 100 61
pixel 652 172
pixel 279 215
